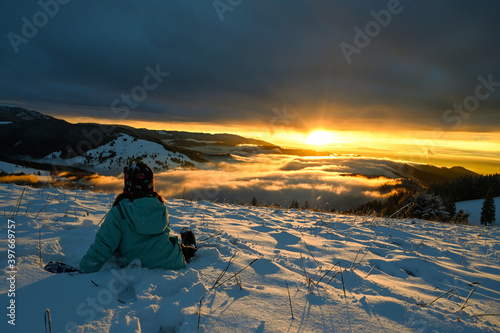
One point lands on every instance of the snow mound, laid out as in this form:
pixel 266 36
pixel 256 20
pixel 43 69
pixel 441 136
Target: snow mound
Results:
pixel 254 268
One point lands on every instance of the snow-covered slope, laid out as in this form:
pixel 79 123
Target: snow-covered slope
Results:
pixel 11 168
pixel 474 207
pixel 388 268
pixel 110 158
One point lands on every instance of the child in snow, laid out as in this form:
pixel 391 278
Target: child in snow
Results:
pixel 138 227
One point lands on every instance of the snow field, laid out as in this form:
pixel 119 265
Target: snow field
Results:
pixel 11 168
pixel 474 208
pixel 388 267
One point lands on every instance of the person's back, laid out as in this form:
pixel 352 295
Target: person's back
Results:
pixel 137 227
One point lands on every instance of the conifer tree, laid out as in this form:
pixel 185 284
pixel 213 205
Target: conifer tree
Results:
pixel 450 206
pixel 427 206
pixel 488 210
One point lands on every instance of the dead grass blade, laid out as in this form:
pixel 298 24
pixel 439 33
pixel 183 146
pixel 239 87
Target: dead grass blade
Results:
pixel 199 311
pixel 225 270
pixel 289 299
pixel 357 254
pixel 427 304
pixel 241 270
pixel 214 235
pixel 308 250
pixel 371 270
pixel 308 280
pixel 470 294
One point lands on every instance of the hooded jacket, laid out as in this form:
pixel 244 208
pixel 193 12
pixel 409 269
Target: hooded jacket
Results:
pixel 138 229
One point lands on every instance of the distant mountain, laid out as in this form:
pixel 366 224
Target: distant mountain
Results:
pixel 42 142
pixel 30 136
pixel 33 139
pixel 427 174
pixel 14 113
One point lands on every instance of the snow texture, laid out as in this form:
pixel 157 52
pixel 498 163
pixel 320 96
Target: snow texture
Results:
pixel 388 267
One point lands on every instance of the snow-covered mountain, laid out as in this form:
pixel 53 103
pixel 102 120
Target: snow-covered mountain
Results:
pixel 258 270
pixel 32 139
pixel 110 158
pixel 53 145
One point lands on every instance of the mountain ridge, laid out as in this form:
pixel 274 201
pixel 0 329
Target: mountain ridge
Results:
pixel 226 166
pixel 29 135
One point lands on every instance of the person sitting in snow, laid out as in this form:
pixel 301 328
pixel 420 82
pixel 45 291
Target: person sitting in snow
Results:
pixel 138 227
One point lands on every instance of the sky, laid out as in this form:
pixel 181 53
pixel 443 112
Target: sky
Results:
pixel 415 80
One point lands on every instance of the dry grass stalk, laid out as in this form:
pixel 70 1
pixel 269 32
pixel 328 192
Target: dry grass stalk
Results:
pixel 360 261
pixel 307 247
pixel 238 281
pixel 486 314
pixel 357 254
pixel 470 294
pixel 103 218
pixel 27 207
pixel 289 299
pixel 333 277
pixel 427 304
pixel 371 270
pixel 475 283
pixel 241 270
pixel 327 272
pixel 343 285
pixel 214 235
pixel 399 210
pixel 308 280
pixel 199 311
pixel 421 242
pixel 47 205
pixel 15 209
pixel 40 247
pixel 341 277
pixel 48 321
pixel 225 270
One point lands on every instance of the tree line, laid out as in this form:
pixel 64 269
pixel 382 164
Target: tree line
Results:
pixel 437 202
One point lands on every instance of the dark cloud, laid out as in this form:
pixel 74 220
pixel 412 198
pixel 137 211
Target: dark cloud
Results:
pixel 263 55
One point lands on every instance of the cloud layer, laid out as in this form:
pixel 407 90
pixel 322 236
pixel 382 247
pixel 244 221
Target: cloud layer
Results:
pixel 327 183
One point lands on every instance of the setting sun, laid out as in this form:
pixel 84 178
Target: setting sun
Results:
pixel 320 138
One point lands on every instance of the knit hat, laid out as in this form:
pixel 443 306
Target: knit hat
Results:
pixel 139 179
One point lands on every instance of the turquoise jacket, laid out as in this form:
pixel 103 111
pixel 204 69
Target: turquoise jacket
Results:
pixel 138 230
